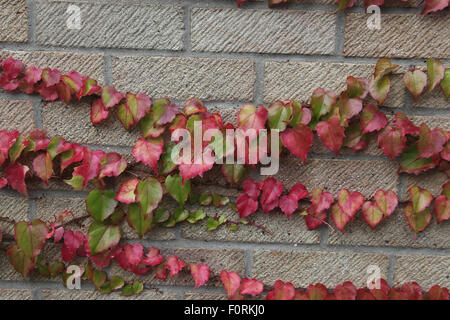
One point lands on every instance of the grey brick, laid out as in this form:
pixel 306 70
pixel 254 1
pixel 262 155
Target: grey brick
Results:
pixel 263 31
pixel 16 115
pixel 401 36
pixel 48 294
pixel 182 78
pixel 13 21
pixel 15 294
pixel 111 25
pixel 310 267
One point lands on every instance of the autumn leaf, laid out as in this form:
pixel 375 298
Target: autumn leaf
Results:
pixel 372 120
pixel 43 166
pixel 200 273
pixel 281 291
pixel 331 133
pixel 392 141
pixel 435 71
pixel 250 117
pixel 148 151
pixel 15 174
pixel 415 81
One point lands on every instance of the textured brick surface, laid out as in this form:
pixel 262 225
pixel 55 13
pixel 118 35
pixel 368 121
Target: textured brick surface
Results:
pixel 425 270
pixel 392 232
pixel 48 294
pixel 120 25
pixel 13 21
pixel 298 80
pixel 16 115
pixel 292 230
pixel 432 181
pixel 304 268
pixel 402 36
pixel 73 123
pixel 182 78
pixel 262 31
pixel 14 208
pixel 217 260
pixel 15 294
pixel 365 176
pixel 204 296
pixel 86 64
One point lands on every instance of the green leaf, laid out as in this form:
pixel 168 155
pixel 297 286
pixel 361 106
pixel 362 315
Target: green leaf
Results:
pixel 149 193
pixel 196 216
pixel 279 115
pixel 56 268
pixel 211 224
pixel 233 173
pixel 117 217
pixel 194 198
pixel 418 221
pixel 16 149
pixel 160 215
pixel 411 163
pixel 176 189
pixel 101 204
pixel 180 214
pixel 21 263
pixel 137 219
pixel 99 278
pixel 115 283
pixel 132 289
pixel 205 199
pixel 168 164
pixel 102 237
pixel 219 201
pixel 435 70
pixel 30 237
pixel 233 227
pixel 445 83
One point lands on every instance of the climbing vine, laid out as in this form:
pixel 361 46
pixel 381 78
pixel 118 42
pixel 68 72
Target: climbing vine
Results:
pixel 340 120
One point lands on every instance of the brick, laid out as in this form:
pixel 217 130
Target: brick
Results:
pixel 14 208
pixel 432 181
pixel 73 123
pixel 263 31
pixel 432 100
pixel 392 232
pixel 292 230
pixel 204 296
pixel 111 25
pixel 182 78
pixel 47 294
pixel 400 36
pixel 16 115
pixel 86 64
pixel 365 176
pixel 298 80
pixel 216 259
pixel 425 270
pixel 16 294
pixel 13 21
pixel 46 208
pixel 304 268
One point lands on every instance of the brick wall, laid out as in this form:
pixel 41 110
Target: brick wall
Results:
pixel 228 57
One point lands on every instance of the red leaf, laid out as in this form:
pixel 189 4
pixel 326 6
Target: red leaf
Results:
pixel 437 292
pixel 231 282
pixel 442 208
pixel 251 287
pixel 386 201
pixel 33 75
pixel 7 139
pixel 98 112
pixel 412 291
pixel 246 205
pixel 148 151
pixel 298 191
pixel 200 273
pixel 15 173
pixel 193 106
pixel 153 257
pixel 89 168
pixel 12 68
pixel 50 77
pixel 3 182
pixel 133 253
pixel 402 121
pixel 174 265
pixel 43 166
pixel 372 215
pixel 345 291
pixel 39 140
pixel 392 141
pixel 250 117
pixel 271 191
pixel 188 171
pixel 75 154
pixel 372 119
pixel 252 188
pixel 72 241
pixel 88 88
pixel 430 142
pixel 331 133
pixel 314 219
pixel 112 165
pixel 350 202
pixel 281 291
pixel 288 205
pixel 434 5
pixel 321 200
pixel 126 191
pixel 298 140
pixel 110 97
pixel 134 109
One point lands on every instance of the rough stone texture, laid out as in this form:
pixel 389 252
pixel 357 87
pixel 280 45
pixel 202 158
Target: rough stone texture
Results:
pixel 292 230
pixel 111 25
pixel 392 232
pixel 425 270
pixel 16 294
pixel 16 115
pixel 263 31
pixel 304 268
pixel 86 64
pixel 14 208
pixel 73 123
pixel 217 260
pixel 432 181
pixel 365 176
pixel 13 21
pixel 298 80
pixel 400 36
pixel 182 78
pixel 434 99
pixel 48 294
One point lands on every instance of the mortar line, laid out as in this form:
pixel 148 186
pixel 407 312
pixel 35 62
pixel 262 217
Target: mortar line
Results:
pixel 36 294
pixel 258 89
pixel 107 68
pixel 31 21
pixel 340 34
pixel 31 209
pixel 37 113
pixel 391 270
pixel 187 28
pixel 248 261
